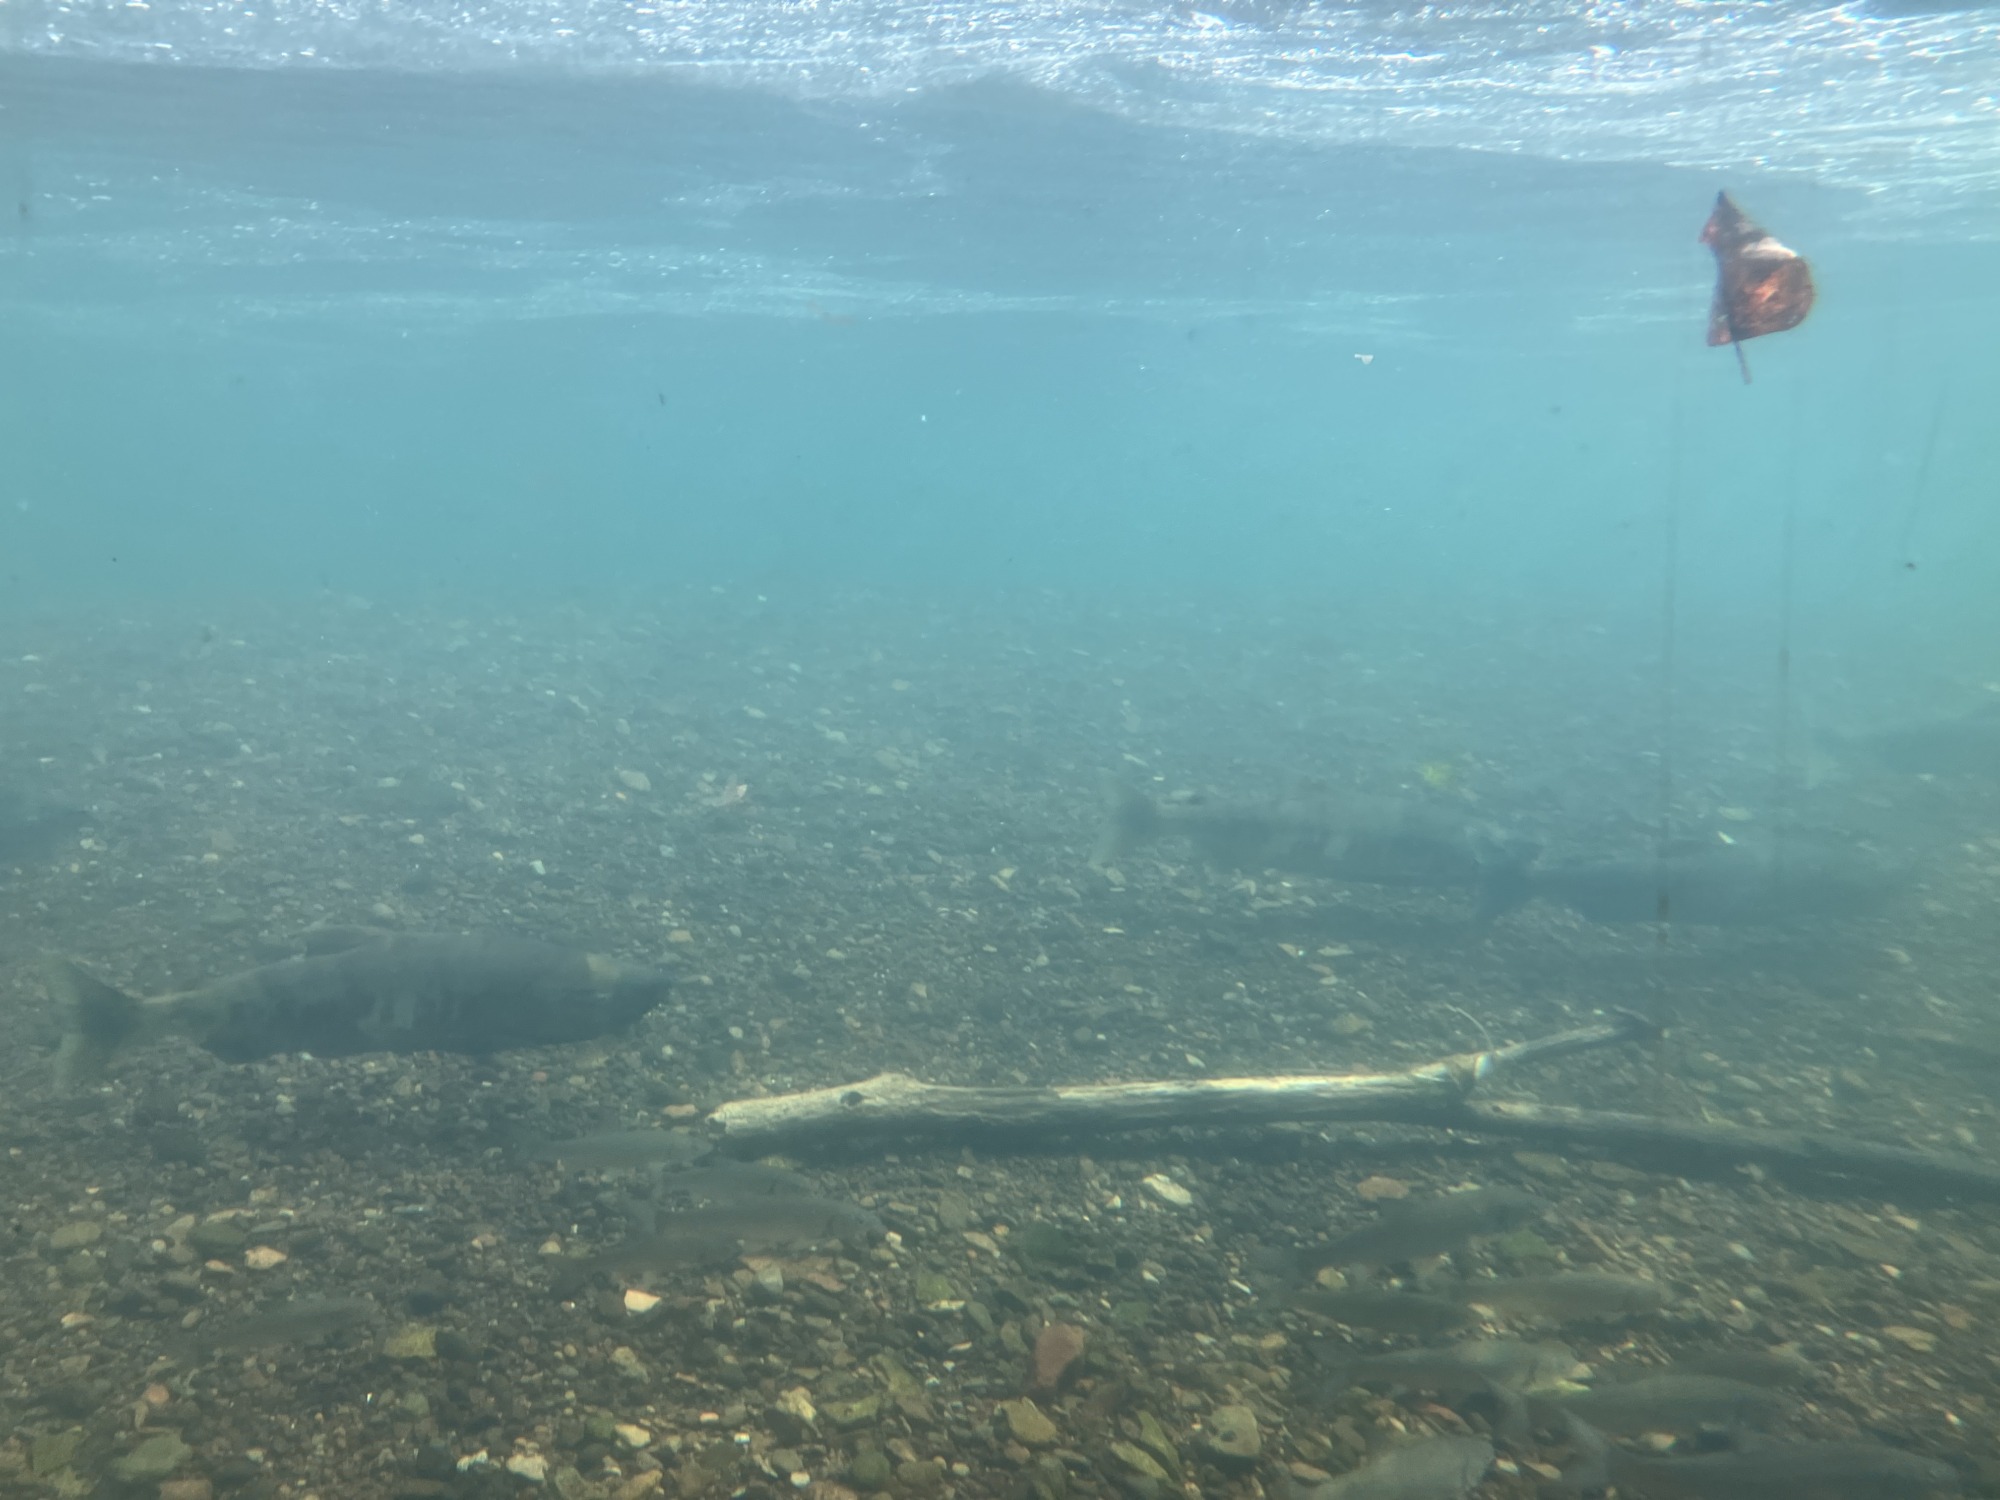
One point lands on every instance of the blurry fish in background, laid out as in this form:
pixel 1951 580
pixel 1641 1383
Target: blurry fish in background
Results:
pixel 32 827
pixel 394 994
pixel 1443 1467
pixel 305 1320
pixel 626 1150
pixel 1420 1227
pixel 1504 1372
pixel 1707 882
pixel 1761 1471
pixel 1381 1310
pixel 1366 841
pixel 1674 1402
pixel 1967 745
pixel 1569 1297
pixel 723 1232
pixel 1761 286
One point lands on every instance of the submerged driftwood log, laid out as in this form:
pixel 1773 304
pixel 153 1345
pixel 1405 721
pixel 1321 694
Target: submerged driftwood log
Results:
pixel 897 1104
pixel 1437 1094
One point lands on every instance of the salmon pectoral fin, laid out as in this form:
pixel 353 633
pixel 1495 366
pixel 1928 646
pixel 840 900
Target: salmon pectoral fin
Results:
pixel 97 1018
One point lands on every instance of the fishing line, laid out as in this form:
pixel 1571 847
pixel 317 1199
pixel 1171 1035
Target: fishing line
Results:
pixel 1669 634
pixel 1787 566
pixel 1921 488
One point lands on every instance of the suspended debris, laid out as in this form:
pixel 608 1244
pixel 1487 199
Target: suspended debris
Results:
pixel 1761 286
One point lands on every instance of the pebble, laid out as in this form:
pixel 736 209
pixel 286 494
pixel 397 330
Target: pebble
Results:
pixel 529 1466
pixel 217 1236
pixel 637 781
pixel 1231 1437
pixel 1153 1438
pixel 75 1236
pixel 628 1363
pixel 1918 1339
pixel 797 1404
pixel 1168 1191
pixel 1057 1347
pixel 1375 1189
pixel 413 1341
pixel 52 1451
pixel 155 1458
pixel 632 1435
pixel 1139 1461
pixel 186 1489
pixel 637 1302
pixel 1027 1423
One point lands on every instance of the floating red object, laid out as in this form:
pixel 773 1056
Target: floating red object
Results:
pixel 1761 286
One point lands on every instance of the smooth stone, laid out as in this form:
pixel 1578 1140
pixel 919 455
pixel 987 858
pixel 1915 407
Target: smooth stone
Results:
pixel 155 1458
pixel 1231 1437
pixel 1028 1424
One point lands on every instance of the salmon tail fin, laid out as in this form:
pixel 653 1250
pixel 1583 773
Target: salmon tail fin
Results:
pixel 97 1018
pixel 1590 1471
pixel 1131 821
pixel 1504 884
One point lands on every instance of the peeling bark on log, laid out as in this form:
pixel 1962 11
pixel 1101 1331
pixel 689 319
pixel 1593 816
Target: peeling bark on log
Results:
pixel 895 1103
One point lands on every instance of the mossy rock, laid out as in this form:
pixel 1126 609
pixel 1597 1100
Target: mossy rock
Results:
pixel 53 1451
pixel 1130 1315
pixel 1523 1247
pixel 153 1459
pixel 870 1469
pixel 857 1413
pixel 1043 1244
pixel 216 1237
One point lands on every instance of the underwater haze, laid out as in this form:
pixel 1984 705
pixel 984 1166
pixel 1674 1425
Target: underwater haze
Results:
pixel 589 590
pixel 470 300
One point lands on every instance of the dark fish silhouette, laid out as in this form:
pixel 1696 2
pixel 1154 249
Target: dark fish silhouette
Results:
pixel 1761 286
pixel 1386 1312
pixel 1707 883
pixel 1433 1468
pixel 1502 1371
pixel 1968 745
pixel 1432 1226
pixel 722 1232
pixel 32 828
pixel 303 1321
pixel 624 1150
pixel 1766 1471
pixel 1568 1296
pixel 1367 841
pixel 1670 1402
pixel 396 994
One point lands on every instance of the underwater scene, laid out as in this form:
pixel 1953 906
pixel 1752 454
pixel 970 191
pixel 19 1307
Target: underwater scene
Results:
pixel 999 750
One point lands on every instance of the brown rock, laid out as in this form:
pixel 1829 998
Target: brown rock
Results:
pixel 186 1489
pixel 1057 1347
pixel 1374 1189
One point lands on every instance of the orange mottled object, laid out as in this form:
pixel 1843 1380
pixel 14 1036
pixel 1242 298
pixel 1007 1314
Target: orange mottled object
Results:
pixel 1761 286
pixel 1057 1347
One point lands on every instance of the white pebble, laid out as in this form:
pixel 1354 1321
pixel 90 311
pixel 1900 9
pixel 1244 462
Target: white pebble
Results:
pixel 1168 1191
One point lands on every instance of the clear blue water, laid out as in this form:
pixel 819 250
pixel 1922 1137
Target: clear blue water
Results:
pixel 725 482
pixel 510 299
